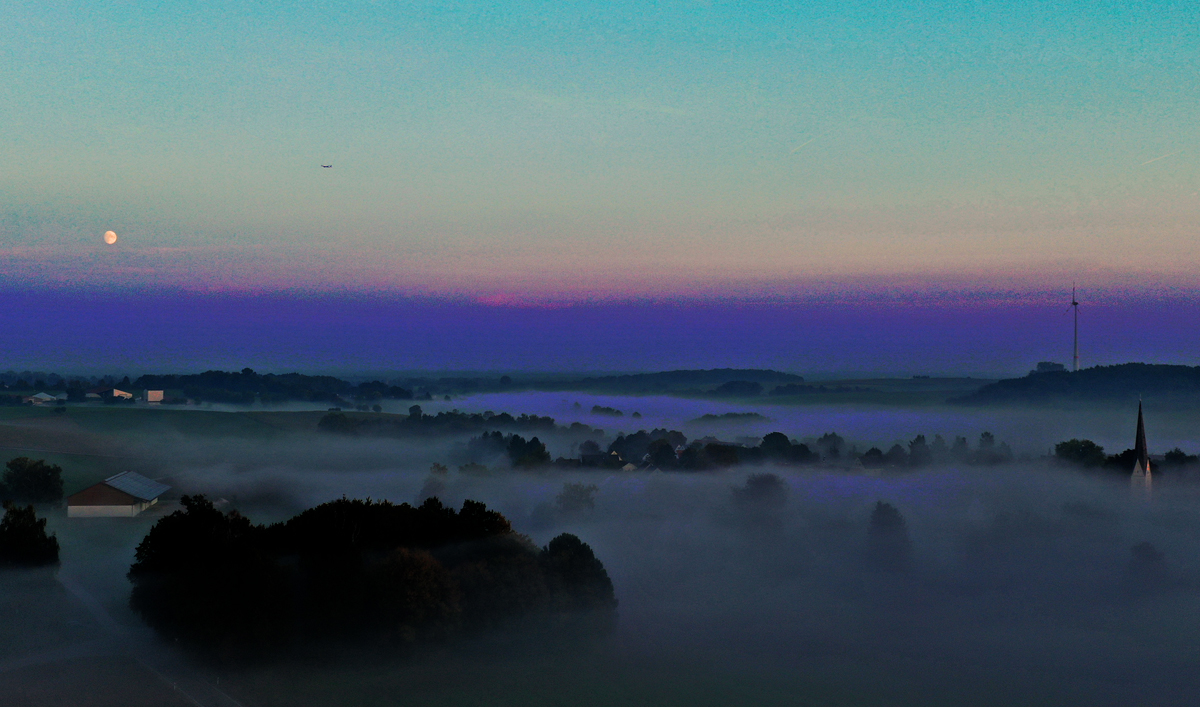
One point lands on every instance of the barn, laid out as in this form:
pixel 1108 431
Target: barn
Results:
pixel 121 496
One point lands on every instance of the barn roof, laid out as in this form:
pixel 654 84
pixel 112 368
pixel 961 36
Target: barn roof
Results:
pixel 137 485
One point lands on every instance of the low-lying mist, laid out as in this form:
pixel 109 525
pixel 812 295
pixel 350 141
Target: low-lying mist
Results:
pixel 1022 578
pixel 1022 583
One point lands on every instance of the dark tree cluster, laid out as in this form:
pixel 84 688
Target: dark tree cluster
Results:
pixel 920 452
pixel 32 381
pixel 761 492
pixel 31 481
pixel 605 410
pixel 709 454
pixel 669 450
pixel 1086 454
pixel 656 446
pixel 519 451
pixel 23 539
pixel 354 570
pixel 731 417
pixel 416 423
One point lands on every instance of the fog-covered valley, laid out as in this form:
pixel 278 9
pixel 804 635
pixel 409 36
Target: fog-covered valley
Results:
pixel 1022 583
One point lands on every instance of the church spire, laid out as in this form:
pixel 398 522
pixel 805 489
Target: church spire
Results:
pixel 1141 453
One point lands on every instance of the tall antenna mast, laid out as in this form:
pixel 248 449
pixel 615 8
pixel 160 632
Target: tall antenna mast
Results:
pixel 1075 306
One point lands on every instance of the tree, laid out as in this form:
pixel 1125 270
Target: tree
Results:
pixel 1123 462
pixel 662 454
pixel 896 456
pixel 872 458
pixel 1178 457
pixel 575 576
pixel 693 458
pixel 888 544
pixel 721 454
pixel 960 451
pixel 919 453
pixel 23 539
pixel 29 481
pixel 523 453
pixel 576 498
pixel 1081 452
pixel 1147 571
pixel 939 449
pixel 830 445
pixel 761 491
pixel 338 423
pixel 776 446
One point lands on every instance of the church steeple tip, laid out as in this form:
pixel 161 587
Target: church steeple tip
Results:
pixel 1140 451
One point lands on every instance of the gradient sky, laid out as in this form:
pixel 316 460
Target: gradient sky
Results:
pixel 556 154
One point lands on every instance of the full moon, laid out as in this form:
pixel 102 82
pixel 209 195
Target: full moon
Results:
pixel 110 237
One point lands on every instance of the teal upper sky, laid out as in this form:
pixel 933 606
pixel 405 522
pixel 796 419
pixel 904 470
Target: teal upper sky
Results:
pixel 565 150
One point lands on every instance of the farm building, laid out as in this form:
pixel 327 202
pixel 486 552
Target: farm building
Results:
pixel 124 495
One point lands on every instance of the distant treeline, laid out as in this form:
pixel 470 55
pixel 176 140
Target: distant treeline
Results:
pixel 357 571
pixel 1123 383
pixel 238 388
pixel 669 450
pixel 797 389
pixel 417 423
pixel 246 386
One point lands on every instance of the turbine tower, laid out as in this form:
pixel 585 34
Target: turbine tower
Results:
pixel 1075 350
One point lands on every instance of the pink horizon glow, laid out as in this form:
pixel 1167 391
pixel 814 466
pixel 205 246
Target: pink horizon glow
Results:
pixel 517 281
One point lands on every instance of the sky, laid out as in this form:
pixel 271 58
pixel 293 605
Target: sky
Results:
pixel 602 155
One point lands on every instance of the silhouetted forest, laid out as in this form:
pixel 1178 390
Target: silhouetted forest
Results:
pixel 355 570
pixel 246 387
pixel 1123 383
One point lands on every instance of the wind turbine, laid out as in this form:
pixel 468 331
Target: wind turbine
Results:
pixel 1075 351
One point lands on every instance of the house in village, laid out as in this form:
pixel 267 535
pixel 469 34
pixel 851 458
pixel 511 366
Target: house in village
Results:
pixel 122 496
pixel 101 393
